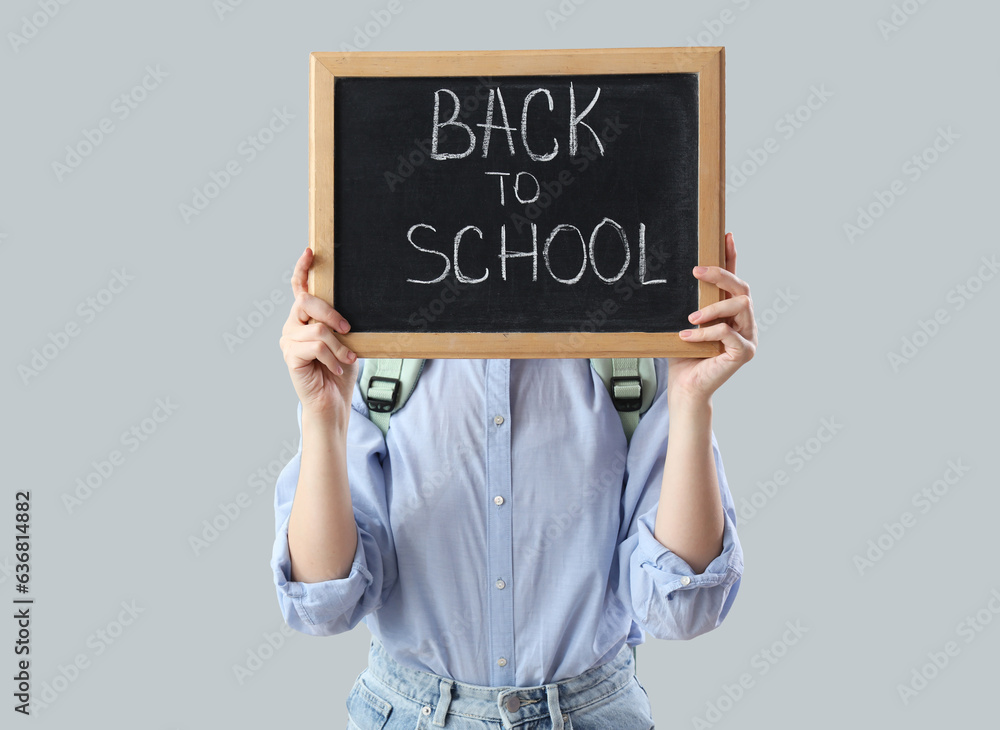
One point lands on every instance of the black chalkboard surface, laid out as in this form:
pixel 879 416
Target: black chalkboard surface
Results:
pixel 510 203
pixel 635 164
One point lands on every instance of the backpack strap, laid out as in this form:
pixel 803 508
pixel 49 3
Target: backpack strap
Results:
pixel 386 384
pixel 631 383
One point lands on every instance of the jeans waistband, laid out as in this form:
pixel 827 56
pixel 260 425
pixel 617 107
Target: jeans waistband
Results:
pixel 510 706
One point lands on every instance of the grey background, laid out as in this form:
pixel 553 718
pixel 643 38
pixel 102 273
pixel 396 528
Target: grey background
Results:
pixel 824 356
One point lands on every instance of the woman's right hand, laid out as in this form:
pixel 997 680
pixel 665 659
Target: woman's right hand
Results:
pixel 323 370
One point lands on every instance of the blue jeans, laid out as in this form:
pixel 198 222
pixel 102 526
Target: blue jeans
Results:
pixel 389 696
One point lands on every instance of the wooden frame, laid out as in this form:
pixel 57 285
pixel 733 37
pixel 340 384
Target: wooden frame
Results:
pixel 707 62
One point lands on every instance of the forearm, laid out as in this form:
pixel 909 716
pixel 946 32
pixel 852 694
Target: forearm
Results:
pixel 322 533
pixel 689 519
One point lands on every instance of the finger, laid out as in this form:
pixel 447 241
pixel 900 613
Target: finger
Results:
pixel 725 280
pixel 739 308
pixel 730 253
pixel 300 276
pixel 300 354
pixel 738 347
pixel 307 306
pixel 319 331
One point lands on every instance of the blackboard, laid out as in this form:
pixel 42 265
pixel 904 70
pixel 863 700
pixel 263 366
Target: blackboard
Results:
pixel 517 214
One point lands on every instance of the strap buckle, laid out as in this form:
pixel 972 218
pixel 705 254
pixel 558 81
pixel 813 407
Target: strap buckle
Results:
pixel 626 403
pixel 380 405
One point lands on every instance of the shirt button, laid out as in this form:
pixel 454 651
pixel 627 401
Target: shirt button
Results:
pixel 498 420
pixel 685 580
pixel 426 710
pixel 498 500
pixel 502 662
pixel 501 584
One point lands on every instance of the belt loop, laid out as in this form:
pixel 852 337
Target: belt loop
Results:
pixel 555 712
pixel 444 701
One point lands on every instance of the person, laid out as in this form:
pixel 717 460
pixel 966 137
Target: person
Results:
pixel 504 543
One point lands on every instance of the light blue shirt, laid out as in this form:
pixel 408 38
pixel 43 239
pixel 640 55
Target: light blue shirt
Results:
pixel 505 528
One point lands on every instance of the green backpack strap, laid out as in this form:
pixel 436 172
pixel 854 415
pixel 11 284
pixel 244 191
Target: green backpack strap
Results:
pixel 631 383
pixel 386 384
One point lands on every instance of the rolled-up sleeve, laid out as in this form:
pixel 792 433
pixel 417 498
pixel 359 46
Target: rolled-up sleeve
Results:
pixel 334 606
pixel 661 591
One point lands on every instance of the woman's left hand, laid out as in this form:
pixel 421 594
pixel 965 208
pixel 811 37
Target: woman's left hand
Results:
pixel 695 379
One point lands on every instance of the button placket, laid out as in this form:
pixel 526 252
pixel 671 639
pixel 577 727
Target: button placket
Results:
pixel 499 557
